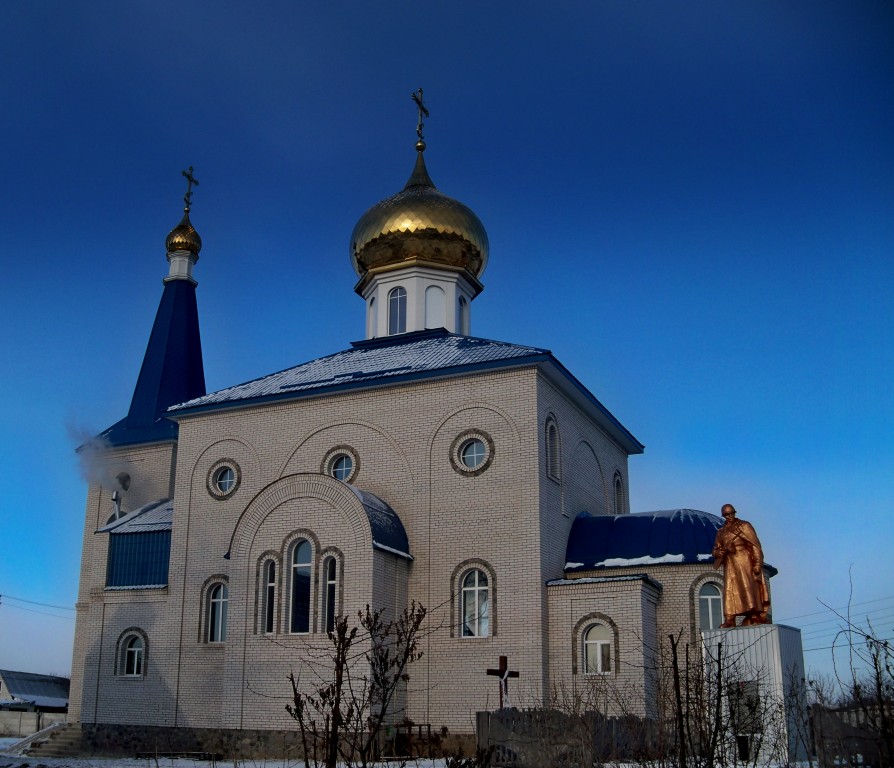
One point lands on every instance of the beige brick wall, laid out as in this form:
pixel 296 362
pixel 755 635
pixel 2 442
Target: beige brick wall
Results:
pixel 511 520
pixel 151 468
pixel 628 607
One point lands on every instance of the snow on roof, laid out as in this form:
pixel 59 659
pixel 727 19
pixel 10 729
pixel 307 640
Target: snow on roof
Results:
pixel 31 688
pixel 155 516
pixel 411 355
pixel 604 580
pixel 388 531
pixel 644 538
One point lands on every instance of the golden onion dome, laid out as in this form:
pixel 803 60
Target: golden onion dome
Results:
pixel 419 223
pixel 184 237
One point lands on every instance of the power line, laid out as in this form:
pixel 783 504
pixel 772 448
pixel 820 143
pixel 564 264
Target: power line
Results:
pixel 44 613
pixel 878 623
pixel 833 610
pixel 880 613
pixel 32 602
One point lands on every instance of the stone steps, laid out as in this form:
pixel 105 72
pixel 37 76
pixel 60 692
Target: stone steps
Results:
pixel 63 742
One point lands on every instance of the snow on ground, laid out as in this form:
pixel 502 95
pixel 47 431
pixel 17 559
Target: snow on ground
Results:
pixel 23 761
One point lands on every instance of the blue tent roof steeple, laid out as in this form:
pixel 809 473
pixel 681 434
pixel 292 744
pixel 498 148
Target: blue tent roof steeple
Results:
pixel 172 370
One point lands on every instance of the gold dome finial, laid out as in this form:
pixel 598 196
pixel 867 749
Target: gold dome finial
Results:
pixel 423 112
pixel 184 237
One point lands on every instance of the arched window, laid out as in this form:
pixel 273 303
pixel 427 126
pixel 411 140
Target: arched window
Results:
pixel 300 602
pixel 553 468
pixel 217 613
pixel 598 641
pixel 475 604
pixel 330 594
pixel 435 307
pixel 462 316
pixel 133 656
pixel 397 311
pixel 619 495
pixel 269 597
pixel 373 319
pixel 710 607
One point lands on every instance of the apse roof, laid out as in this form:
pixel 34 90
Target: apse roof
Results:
pixel 391 360
pixel 645 538
pixel 388 532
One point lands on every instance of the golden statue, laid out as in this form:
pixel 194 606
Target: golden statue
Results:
pixel 738 550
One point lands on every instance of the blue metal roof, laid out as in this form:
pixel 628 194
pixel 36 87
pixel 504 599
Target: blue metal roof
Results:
pixel 644 538
pixel 155 516
pixel 40 690
pixel 172 369
pixel 388 360
pixel 388 533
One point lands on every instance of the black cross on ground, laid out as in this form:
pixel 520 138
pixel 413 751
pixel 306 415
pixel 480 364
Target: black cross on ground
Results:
pixel 504 673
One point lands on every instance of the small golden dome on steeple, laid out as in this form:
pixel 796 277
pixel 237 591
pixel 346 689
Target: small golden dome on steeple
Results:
pixel 184 237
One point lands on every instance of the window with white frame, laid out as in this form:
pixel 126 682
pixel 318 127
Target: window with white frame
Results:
pixel 710 607
pixel 133 653
pixel 342 467
pixel 330 593
pixel 397 311
pixel 301 564
pixel 598 641
pixel 475 604
pixel 269 597
pixel 341 462
pixel 218 597
pixel 224 478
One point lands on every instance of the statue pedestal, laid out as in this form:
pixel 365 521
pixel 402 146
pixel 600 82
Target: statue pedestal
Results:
pixel 762 678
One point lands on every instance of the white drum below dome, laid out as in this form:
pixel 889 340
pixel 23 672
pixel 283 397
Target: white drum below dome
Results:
pixel 418 298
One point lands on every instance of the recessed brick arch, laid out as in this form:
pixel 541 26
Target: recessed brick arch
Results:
pixel 299 486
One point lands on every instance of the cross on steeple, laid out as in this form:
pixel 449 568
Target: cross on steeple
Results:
pixel 504 673
pixel 190 180
pixel 423 112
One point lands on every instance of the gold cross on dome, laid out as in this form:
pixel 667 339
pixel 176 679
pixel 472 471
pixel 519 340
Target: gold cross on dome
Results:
pixel 190 180
pixel 423 112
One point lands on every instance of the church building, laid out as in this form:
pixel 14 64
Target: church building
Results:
pixel 225 531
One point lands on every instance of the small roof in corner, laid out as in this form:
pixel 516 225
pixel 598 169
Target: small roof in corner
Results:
pixel 154 516
pixel 41 690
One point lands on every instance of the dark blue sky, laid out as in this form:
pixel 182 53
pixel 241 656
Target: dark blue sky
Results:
pixel 690 204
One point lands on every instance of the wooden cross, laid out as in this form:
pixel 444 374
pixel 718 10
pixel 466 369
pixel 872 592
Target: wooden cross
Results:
pixel 190 180
pixel 423 112
pixel 504 673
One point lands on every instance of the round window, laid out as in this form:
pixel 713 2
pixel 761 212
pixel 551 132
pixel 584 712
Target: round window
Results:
pixel 472 452
pixel 341 462
pixel 342 466
pixel 224 479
